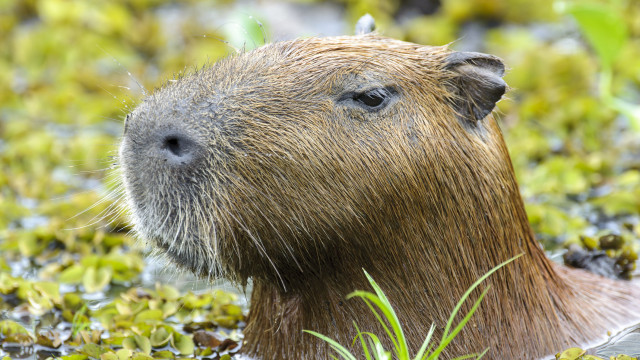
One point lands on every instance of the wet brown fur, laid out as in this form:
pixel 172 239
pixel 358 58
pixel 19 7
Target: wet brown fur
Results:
pixel 299 193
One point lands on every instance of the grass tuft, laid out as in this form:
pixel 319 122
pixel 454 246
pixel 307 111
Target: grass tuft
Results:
pixel 372 348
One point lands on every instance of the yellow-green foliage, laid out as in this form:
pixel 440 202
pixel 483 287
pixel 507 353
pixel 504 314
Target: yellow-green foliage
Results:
pixel 69 72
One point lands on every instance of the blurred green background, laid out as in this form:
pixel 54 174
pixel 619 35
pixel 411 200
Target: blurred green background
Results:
pixel 71 70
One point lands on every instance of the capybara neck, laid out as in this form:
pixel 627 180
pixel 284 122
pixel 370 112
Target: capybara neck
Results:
pixel 301 163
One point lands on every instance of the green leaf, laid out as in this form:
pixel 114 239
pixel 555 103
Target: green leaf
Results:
pixel 72 275
pixel 245 32
pixel 141 356
pixel 49 290
pixel 148 315
pixel 371 299
pixel 123 354
pixel 477 356
pixel 72 301
pixel 93 350
pixel 169 308
pixel 109 356
pixel 164 354
pixel 137 342
pixel 96 279
pixel 74 357
pixel 571 354
pixel 129 343
pixel 422 353
pixel 8 327
pixel 143 343
pixel 402 349
pixel 363 343
pixel 167 292
pixel 8 284
pixel 603 28
pixel 183 343
pixel 160 337
pixel 376 345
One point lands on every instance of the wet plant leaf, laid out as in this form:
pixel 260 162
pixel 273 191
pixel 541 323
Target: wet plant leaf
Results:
pixel 169 308
pixel 109 356
pixel 72 301
pixel 73 274
pixel 167 292
pixel 164 354
pixel 124 354
pixel 93 350
pixel 49 339
pixel 148 315
pixel 141 356
pixel 75 357
pixel 49 290
pixel 143 343
pixel 570 354
pixel 96 279
pixel 183 343
pixel 9 327
pixel 619 357
pixel 160 337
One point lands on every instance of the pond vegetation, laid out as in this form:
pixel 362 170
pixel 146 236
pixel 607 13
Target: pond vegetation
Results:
pixel 75 284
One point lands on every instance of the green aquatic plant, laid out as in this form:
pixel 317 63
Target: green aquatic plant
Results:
pixel 603 27
pixel 372 346
pixel 80 321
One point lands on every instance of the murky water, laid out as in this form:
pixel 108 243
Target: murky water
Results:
pixel 323 20
pixel 154 272
pixel 625 342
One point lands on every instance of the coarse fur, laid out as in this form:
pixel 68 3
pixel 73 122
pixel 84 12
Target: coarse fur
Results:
pixel 292 184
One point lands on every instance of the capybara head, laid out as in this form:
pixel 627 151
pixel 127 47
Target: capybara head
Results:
pixel 298 154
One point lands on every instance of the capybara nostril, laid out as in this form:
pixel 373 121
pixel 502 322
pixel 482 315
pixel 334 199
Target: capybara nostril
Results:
pixel 178 149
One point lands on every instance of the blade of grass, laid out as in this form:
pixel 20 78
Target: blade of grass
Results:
pixel 382 304
pixel 482 354
pixel 346 354
pixel 468 292
pixel 363 343
pixel 380 353
pixel 445 342
pixel 425 344
pixel 465 357
pixel 370 298
pixel 402 349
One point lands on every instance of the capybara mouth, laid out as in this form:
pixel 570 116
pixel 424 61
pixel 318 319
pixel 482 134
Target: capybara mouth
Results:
pixel 164 220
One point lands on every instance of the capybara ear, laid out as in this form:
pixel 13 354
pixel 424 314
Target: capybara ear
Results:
pixel 365 25
pixel 477 83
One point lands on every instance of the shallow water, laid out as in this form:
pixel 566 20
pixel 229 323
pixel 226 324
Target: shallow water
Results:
pixel 625 342
pixel 323 20
pixel 154 272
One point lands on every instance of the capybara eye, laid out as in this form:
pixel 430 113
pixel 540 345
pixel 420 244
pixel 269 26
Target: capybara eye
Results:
pixel 374 99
